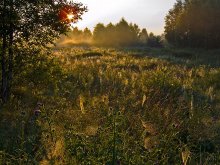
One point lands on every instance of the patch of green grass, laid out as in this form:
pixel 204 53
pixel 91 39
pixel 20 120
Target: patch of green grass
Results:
pixel 111 106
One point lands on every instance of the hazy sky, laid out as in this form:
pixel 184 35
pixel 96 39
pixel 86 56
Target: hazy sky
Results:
pixel 146 13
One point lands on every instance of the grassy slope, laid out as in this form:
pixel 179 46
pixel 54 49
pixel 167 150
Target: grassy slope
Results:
pixel 105 106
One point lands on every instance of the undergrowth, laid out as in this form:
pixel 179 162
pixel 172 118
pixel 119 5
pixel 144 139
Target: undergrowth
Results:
pixel 109 106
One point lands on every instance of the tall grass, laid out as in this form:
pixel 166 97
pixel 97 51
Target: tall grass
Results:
pixel 114 106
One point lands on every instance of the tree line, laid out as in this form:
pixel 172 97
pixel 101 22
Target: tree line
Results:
pixel 194 23
pixel 119 34
pixel 189 23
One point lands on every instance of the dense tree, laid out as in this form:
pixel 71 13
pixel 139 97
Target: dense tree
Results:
pixel 135 31
pixel 143 36
pixel 194 23
pixel 171 22
pixel 87 34
pixel 154 41
pixel 99 33
pixel 75 33
pixel 119 34
pixel 111 34
pixel 123 32
pixel 27 24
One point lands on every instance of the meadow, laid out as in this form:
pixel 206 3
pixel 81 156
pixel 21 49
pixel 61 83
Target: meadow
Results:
pixel 91 105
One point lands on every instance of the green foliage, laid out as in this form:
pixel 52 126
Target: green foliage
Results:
pixel 193 24
pixel 37 23
pixel 154 41
pixel 27 25
pixel 107 106
pixel 158 117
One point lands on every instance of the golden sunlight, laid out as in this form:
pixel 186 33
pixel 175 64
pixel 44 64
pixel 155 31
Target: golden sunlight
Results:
pixel 67 14
pixel 70 16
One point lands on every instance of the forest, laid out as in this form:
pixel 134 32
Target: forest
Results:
pixel 118 35
pixel 117 94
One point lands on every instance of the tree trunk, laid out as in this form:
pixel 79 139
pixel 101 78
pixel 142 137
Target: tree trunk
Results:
pixel 10 52
pixel 10 64
pixel 3 60
pixel 4 75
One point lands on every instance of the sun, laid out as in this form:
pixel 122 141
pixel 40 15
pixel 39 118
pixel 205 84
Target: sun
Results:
pixel 70 16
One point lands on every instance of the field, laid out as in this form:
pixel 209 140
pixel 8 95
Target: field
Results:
pixel 89 105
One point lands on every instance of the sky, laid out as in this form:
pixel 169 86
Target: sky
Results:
pixel 147 14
